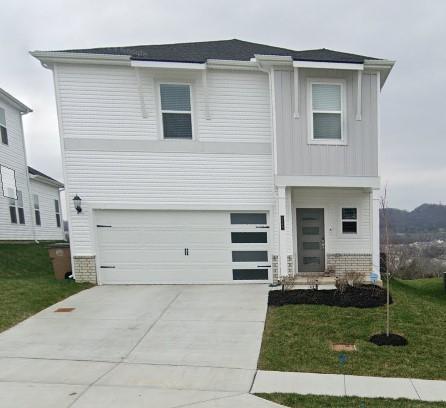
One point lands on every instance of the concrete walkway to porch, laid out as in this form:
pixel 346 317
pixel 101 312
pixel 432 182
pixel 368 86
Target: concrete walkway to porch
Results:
pixel 348 385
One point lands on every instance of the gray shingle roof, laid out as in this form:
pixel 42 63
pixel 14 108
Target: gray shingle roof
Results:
pixel 237 50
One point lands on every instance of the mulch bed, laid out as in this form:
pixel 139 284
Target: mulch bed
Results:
pixel 392 339
pixel 363 296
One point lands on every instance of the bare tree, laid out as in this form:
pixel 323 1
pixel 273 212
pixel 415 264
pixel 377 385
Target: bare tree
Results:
pixel 390 262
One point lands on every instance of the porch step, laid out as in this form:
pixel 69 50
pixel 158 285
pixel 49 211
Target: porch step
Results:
pixel 321 280
pixel 316 275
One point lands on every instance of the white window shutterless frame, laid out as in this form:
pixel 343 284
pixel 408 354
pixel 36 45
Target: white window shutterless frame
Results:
pixel 175 103
pixel 327 108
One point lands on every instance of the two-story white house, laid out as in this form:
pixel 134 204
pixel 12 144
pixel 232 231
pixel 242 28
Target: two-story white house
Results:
pixel 218 162
pixel 29 200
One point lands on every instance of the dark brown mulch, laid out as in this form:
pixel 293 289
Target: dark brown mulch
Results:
pixel 363 296
pixel 392 339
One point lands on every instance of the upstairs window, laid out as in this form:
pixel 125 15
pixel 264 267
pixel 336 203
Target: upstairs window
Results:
pixel 37 209
pixel 7 178
pixel 176 111
pixel 3 131
pixel 349 220
pixel 326 110
pixel 57 208
pixel 16 208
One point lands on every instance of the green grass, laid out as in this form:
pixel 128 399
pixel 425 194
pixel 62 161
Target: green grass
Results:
pixel 27 284
pixel 297 337
pixel 313 401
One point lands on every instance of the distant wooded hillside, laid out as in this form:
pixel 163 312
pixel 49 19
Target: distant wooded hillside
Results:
pixel 425 218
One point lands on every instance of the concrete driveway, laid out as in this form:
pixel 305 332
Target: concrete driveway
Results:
pixel 138 346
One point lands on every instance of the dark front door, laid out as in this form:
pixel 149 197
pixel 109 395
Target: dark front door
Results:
pixel 310 239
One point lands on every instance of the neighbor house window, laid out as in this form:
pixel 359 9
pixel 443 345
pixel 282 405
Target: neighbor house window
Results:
pixel 16 209
pixel 3 131
pixel 37 209
pixel 57 208
pixel 326 112
pixel 176 111
pixel 349 220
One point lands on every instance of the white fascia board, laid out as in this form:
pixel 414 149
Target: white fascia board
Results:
pixel 382 66
pixel 328 65
pixel 14 102
pixel 328 181
pixel 50 57
pixel 266 62
pixel 44 180
pixel 232 64
pixel 164 64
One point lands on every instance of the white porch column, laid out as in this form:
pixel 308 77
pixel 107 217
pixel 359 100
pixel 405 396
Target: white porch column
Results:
pixel 283 245
pixel 375 229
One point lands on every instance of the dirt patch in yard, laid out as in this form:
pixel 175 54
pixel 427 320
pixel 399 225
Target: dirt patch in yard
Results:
pixel 364 296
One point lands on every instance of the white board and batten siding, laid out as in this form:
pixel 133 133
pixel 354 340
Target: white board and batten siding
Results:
pixel 13 157
pixel 358 158
pixel 48 230
pixel 104 124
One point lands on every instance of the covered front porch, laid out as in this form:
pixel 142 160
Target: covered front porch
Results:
pixel 328 232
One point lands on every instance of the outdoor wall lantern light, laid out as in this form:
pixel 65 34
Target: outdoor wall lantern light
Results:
pixel 77 203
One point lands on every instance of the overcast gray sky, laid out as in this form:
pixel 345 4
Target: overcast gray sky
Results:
pixel 411 32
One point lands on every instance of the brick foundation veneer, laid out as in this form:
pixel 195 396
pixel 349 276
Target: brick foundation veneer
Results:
pixel 344 263
pixel 85 268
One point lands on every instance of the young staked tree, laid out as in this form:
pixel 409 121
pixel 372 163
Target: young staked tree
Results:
pixel 388 253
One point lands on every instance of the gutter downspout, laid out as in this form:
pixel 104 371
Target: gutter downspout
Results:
pixel 279 193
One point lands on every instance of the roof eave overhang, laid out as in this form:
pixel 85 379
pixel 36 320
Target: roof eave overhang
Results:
pixel 48 58
pixel 287 62
pixel 44 180
pixel 382 66
pixel 21 107
pixel 259 61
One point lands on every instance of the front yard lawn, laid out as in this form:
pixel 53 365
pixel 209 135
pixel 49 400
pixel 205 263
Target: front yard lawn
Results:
pixel 297 337
pixel 27 284
pixel 313 401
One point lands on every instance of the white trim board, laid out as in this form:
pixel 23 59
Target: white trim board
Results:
pixel 328 181
pixel 166 146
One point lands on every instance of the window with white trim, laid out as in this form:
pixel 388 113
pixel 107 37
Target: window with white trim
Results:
pixel 16 211
pixel 176 111
pixel 3 130
pixel 326 112
pixel 57 208
pixel 37 209
pixel 349 220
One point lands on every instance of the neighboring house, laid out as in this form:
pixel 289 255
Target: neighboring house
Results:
pixel 29 200
pixel 217 162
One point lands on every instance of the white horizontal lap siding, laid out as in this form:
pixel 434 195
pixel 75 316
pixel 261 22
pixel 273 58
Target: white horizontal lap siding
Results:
pixel 48 229
pixel 13 156
pixel 239 107
pixel 104 102
pixel 162 180
pixel 333 200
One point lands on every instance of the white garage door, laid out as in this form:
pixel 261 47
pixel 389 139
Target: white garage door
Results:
pixel 182 246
